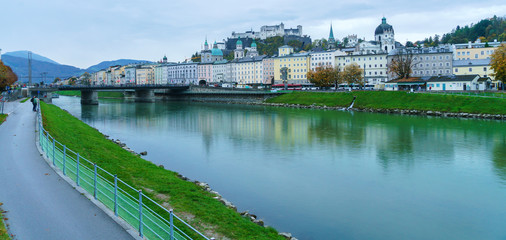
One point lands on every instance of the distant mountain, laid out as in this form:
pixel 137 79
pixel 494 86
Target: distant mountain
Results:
pixel 45 69
pixel 24 54
pixel 51 70
pixel 106 64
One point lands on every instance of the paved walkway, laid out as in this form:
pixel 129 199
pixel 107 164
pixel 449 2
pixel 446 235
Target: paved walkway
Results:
pixel 40 204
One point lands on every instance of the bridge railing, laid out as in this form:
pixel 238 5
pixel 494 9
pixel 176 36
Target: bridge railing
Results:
pixel 151 220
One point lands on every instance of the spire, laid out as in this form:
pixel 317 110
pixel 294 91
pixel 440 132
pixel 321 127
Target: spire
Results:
pixel 206 45
pixel 383 20
pixel 331 35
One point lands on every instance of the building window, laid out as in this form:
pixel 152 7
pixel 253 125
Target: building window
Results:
pixel 470 69
pixel 456 70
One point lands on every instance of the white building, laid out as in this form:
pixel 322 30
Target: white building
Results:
pixel 161 74
pixel 374 66
pixel 458 83
pixel 130 74
pixel 183 73
pixel 324 58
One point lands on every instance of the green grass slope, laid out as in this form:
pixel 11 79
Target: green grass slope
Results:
pixel 186 198
pixel 398 100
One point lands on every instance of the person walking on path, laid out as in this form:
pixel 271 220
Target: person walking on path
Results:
pixel 34 103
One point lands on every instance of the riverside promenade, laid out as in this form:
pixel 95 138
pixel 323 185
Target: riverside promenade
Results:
pixel 39 203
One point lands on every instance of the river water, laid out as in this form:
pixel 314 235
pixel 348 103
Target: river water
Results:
pixel 326 174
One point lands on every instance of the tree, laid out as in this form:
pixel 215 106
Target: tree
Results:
pixel 353 74
pixel 401 64
pixel 86 79
pixel 196 57
pixel 325 76
pixel 7 76
pixel 498 63
pixel 56 80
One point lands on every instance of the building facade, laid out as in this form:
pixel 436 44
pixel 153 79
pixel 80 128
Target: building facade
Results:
pixel 474 66
pixel 374 66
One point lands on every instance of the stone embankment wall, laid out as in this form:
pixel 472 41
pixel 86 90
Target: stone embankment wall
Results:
pixel 397 111
pixel 218 94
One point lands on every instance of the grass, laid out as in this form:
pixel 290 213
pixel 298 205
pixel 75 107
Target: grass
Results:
pixel 2 118
pixel 3 230
pixel 24 100
pixel 186 198
pixel 398 100
pixel 100 94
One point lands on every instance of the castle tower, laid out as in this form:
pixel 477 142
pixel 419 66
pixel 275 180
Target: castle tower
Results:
pixel 384 35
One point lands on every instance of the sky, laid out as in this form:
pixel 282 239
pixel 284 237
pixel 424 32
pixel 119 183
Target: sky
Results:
pixel 84 33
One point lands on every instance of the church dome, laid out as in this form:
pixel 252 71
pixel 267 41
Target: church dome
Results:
pixel 216 52
pixel 254 44
pixel 383 27
pixel 239 42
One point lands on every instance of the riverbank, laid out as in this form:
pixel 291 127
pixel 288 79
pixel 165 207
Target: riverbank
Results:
pixel 195 203
pixel 4 235
pixel 398 102
pixel 101 94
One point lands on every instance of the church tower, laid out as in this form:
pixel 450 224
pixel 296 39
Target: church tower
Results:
pixel 331 42
pixel 253 50
pixel 384 35
pixel 205 55
pixel 238 52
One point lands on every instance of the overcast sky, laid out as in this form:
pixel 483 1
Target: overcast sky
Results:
pixel 85 32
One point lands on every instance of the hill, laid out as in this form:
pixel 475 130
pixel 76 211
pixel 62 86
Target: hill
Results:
pixel 45 69
pixel 51 70
pixel 24 54
pixel 106 64
pixel 487 30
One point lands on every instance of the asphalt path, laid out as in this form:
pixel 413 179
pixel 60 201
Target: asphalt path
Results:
pixel 39 203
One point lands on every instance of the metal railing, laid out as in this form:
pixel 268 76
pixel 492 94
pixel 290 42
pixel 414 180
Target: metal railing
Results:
pixel 127 203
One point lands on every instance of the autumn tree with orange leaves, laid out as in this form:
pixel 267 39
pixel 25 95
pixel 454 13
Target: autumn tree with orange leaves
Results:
pixel 324 76
pixel 401 64
pixel 7 76
pixel 353 74
pixel 498 63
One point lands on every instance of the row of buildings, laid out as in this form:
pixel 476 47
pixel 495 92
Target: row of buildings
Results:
pixel 249 68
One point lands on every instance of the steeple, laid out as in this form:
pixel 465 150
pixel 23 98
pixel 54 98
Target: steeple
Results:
pixel 331 41
pixel 206 45
pixel 331 35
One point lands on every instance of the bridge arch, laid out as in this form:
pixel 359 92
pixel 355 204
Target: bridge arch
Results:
pixel 202 82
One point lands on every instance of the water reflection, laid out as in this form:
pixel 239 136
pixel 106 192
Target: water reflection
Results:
pixel 362 175
pixel 499 158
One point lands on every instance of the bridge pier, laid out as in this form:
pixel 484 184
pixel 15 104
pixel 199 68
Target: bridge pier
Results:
pixel 145 95
pixel 89 97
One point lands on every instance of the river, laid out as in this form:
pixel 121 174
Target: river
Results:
pixel 326 174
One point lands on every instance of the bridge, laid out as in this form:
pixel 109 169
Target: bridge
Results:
pixel 89 93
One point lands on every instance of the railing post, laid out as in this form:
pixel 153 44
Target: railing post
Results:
pixel 77 170
pixel 64 159
pixel 116 195
pixel 54 140
pixel 95 181
pixel 140 213
pixel 171 224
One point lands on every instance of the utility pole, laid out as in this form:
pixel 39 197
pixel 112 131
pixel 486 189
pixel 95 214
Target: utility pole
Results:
pixel 29 68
